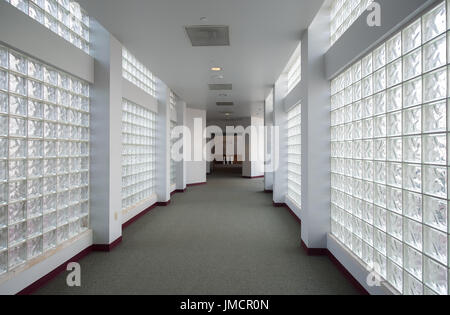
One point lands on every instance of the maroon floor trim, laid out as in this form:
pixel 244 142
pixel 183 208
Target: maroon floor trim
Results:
pixel 196 184
pixel 163 204
pixel 253 177
pixel 106 247
pixel 268 191
pixel 347 274
pixel 55 272
pixel 325 252
pixel 138 216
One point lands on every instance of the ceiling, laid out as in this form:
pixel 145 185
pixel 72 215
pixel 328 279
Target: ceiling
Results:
pixel 263 35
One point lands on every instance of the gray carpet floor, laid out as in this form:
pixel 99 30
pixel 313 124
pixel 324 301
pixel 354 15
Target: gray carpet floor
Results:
pixel 221 238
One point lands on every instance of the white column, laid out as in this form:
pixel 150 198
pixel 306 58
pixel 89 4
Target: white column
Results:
pixel 163 143
pixel 181 166
pixel 106 138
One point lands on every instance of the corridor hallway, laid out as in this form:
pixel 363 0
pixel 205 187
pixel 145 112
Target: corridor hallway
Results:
pixel 221 238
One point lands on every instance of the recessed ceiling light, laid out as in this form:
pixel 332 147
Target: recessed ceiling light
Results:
pixel 216 69
pixel 204 19
pixel 227 114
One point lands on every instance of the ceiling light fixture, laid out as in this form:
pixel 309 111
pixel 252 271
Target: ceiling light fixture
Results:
pixel 216 69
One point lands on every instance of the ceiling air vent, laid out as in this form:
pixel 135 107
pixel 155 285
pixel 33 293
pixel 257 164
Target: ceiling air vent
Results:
pixel 208 35
pixel 220 87
pixel 225 104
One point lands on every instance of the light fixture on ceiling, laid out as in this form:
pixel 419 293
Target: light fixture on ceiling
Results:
pixel 216 69
pixel 204 19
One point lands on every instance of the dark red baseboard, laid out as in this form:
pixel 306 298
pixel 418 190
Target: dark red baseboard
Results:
pixel 253 177
pixel 268 191
pixel 51 275
pixel 177 191
pixel 196 184
pixel 314 251
pixel 106 247
pixel 163 204
pixel 138 216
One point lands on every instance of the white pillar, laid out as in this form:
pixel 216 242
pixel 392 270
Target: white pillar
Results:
pixel 163 143
pixel 106 138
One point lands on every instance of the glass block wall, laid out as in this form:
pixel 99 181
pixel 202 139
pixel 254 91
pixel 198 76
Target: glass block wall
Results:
pixel 343 14
pixel 173 173
pixel 137 73
pixel 172 101
pixel 294 69
pixel 294 154
pixel 139 154
pixel 63 17
pixel 44 158
pixel 390 157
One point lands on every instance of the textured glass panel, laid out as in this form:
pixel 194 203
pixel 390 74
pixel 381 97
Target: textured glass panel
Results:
pixel 435 85
pixel 435 54
pixel 434 22
pixel 435 276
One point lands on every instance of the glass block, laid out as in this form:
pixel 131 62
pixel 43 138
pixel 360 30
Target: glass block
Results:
pixel 395 225
pixel 366 66
pixel 394 73
pixel 394 48
pixel 35 187
pixel 412 286
pixel 435 181
pixel 435 85
pixel 436 213
pixel 435 149
pixel 17 84
pixel 50 112
pixel 380 149
pixel 49 203
pixel 434 116
pixel 395 275
pixel 394 99
pixel 50 94
pixel 435 54
pixel 3 216
pixel 394 174
pixel 35 129
pixel 35 89
pixel 17 106
pixel 379 80
pixel 412 121
pixel 17 148
pixel 380 264
pixel 50 76
pixel 394 200
pixel 50 167
pixel 17 127
pixel 35 149
pixel 367 86
pixel 412 178
pixel 413 234
pixel 34 207
pixel 35 247
pixel 412 65
pixel 18 63
pixel 17 191
pixel 434 23
pixel 394 149
pixel 435 244
pixel 50 240
pixel 35 70
pixel 17 255
pixel 35 109
pixel 50 149
pixel 412 92
pixel 412 36
pixel 435 276
pixel 17 169
pixel 3 80
pixel 395 250
pixel 4 107
pixel 3 57
pixel 413 205
pixel 380 241
pixel 413 262
pixel 17 212
pixel 17 233
pixel 379 57
pixel 412 148
pixel 380 172
pixel 63 233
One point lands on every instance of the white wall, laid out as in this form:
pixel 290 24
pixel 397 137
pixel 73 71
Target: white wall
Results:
pixel 196 170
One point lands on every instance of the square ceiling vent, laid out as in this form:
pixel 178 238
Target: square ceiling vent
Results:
pixel 208 35
pixel 220 87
